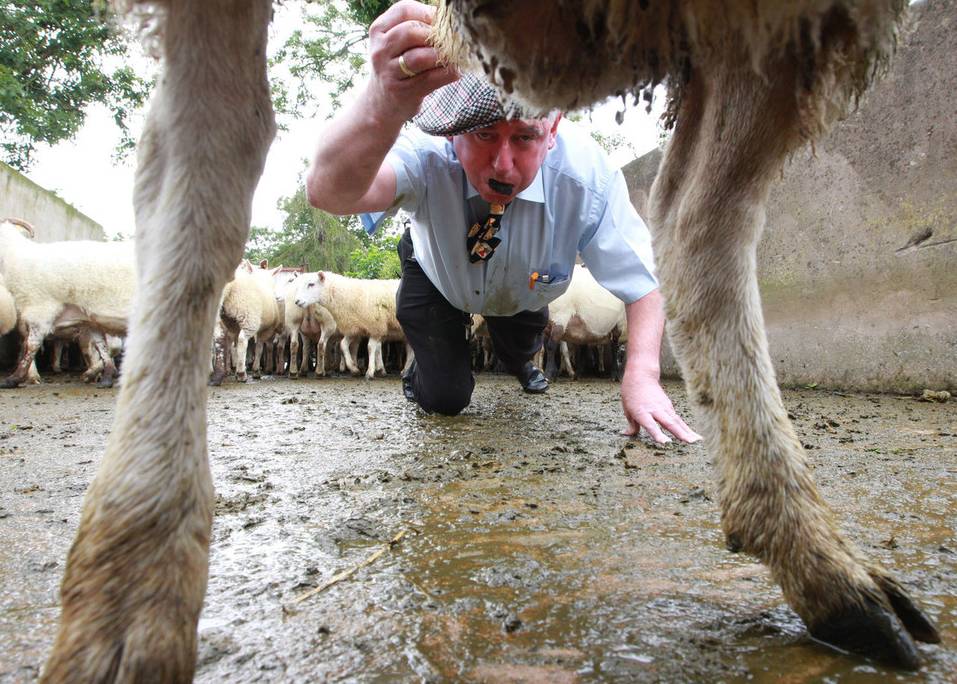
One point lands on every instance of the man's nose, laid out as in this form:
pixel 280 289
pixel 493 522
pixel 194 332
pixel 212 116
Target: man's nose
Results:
pixel 504 159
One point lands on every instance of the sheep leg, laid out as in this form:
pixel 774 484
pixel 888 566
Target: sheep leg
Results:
pixel 566 359
pixel 553 341
pixel 734 131
pixel 242 345
pixel 136 574
pixel 59 347
pixel 258 349
pixel 108 373
pixel 321 347
pixel 31 339
pixel 33 375
pixel 348 346
pixel 374 348
pixel 380 357
pixel 409 358
pixel 91 356
pixel 294 355
pixel 220 353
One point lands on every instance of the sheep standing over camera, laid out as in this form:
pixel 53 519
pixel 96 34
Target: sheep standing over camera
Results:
pixel 750 82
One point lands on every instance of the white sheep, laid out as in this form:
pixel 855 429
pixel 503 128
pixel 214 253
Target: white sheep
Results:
pixel 585 314
pixel 63 286
pixel 305 326
pixel 249 311
pixel 360 308
pixel 8 310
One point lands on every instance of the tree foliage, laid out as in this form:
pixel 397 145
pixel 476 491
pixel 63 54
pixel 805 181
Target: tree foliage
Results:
pixel 309 236
pixel 377 258
pixel 330 48
pixel 56 58
pixel 321 241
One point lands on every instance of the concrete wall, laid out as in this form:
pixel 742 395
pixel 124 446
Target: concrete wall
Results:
pixel 858 263
pixel 52 218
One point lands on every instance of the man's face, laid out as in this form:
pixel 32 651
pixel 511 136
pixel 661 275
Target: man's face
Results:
pixel 503 159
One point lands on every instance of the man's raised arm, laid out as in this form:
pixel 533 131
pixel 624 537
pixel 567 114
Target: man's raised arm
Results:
pixel 348 175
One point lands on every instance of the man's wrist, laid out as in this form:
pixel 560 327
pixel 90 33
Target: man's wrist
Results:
pixel 637 371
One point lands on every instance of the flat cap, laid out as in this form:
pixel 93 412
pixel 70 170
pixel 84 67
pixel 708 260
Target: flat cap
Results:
pixel 466 105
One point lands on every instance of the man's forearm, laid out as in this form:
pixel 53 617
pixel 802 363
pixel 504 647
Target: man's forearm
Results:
pixel 350 153
pixel 646 323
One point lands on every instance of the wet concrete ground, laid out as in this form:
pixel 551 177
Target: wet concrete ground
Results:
pixel 540 545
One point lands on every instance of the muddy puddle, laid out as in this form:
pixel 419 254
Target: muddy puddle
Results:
pixel 539 545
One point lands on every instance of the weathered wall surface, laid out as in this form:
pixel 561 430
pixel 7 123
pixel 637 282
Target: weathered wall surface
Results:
pixel 52 219
pixel 858 263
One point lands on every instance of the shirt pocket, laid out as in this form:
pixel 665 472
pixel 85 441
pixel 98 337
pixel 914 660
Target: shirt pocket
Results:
pixel 548 292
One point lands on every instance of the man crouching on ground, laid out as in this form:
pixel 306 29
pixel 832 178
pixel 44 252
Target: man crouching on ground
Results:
pixel 501 206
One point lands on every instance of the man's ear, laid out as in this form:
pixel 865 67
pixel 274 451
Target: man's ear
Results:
pixel 553 131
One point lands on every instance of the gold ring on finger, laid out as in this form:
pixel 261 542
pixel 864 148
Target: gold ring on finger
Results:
pixel 404 68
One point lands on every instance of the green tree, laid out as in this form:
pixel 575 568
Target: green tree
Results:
pixel 376 259
pixel 309 236
pixel 329 48
pixel 56 58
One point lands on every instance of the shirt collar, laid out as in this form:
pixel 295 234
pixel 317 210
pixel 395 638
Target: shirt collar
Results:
pixel 533 193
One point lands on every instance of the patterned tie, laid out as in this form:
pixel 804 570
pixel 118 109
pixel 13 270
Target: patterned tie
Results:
pixel 480 240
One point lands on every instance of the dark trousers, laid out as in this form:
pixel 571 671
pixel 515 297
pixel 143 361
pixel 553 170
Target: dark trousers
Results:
pixel 437 331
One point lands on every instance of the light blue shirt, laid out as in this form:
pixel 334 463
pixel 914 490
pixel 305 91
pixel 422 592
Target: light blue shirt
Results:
pixel 577 204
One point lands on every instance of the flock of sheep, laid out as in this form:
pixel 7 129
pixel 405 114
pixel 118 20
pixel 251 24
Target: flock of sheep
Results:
pixel 83 291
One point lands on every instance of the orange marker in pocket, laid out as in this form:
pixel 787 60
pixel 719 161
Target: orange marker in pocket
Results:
pixel 531 280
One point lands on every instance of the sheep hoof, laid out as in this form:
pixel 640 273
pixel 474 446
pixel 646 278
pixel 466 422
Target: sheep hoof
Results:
pixel 9 383
pixel 215 379
pixel 877 630
pixel 105 382
pixel 294 376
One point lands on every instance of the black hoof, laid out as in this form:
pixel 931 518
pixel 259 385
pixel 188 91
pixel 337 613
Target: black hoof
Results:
pixel 9 384
pixel 920 626
pixel 871 630
pixel 105 383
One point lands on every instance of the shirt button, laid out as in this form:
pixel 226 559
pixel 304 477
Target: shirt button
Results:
pixel 476 292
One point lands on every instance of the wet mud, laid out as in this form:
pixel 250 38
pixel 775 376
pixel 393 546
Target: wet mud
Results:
pixel 539 545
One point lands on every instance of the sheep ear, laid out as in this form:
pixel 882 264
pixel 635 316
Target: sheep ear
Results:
pixel 322 277
pixel 264 264
pixel 247 266
pixel 276 270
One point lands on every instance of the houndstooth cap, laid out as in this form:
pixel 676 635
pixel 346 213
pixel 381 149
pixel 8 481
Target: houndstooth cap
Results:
pixel 461 107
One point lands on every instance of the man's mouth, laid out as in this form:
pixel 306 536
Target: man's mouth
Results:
pixel 500 187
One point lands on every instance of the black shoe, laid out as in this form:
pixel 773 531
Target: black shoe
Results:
pixel 532 379
pixel 407 382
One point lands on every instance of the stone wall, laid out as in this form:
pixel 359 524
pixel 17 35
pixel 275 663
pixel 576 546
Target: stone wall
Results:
pixel 858 263
pixel 52 218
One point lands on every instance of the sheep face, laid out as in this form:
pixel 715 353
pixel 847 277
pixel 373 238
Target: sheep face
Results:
pixel 284 285
pixel 312 288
